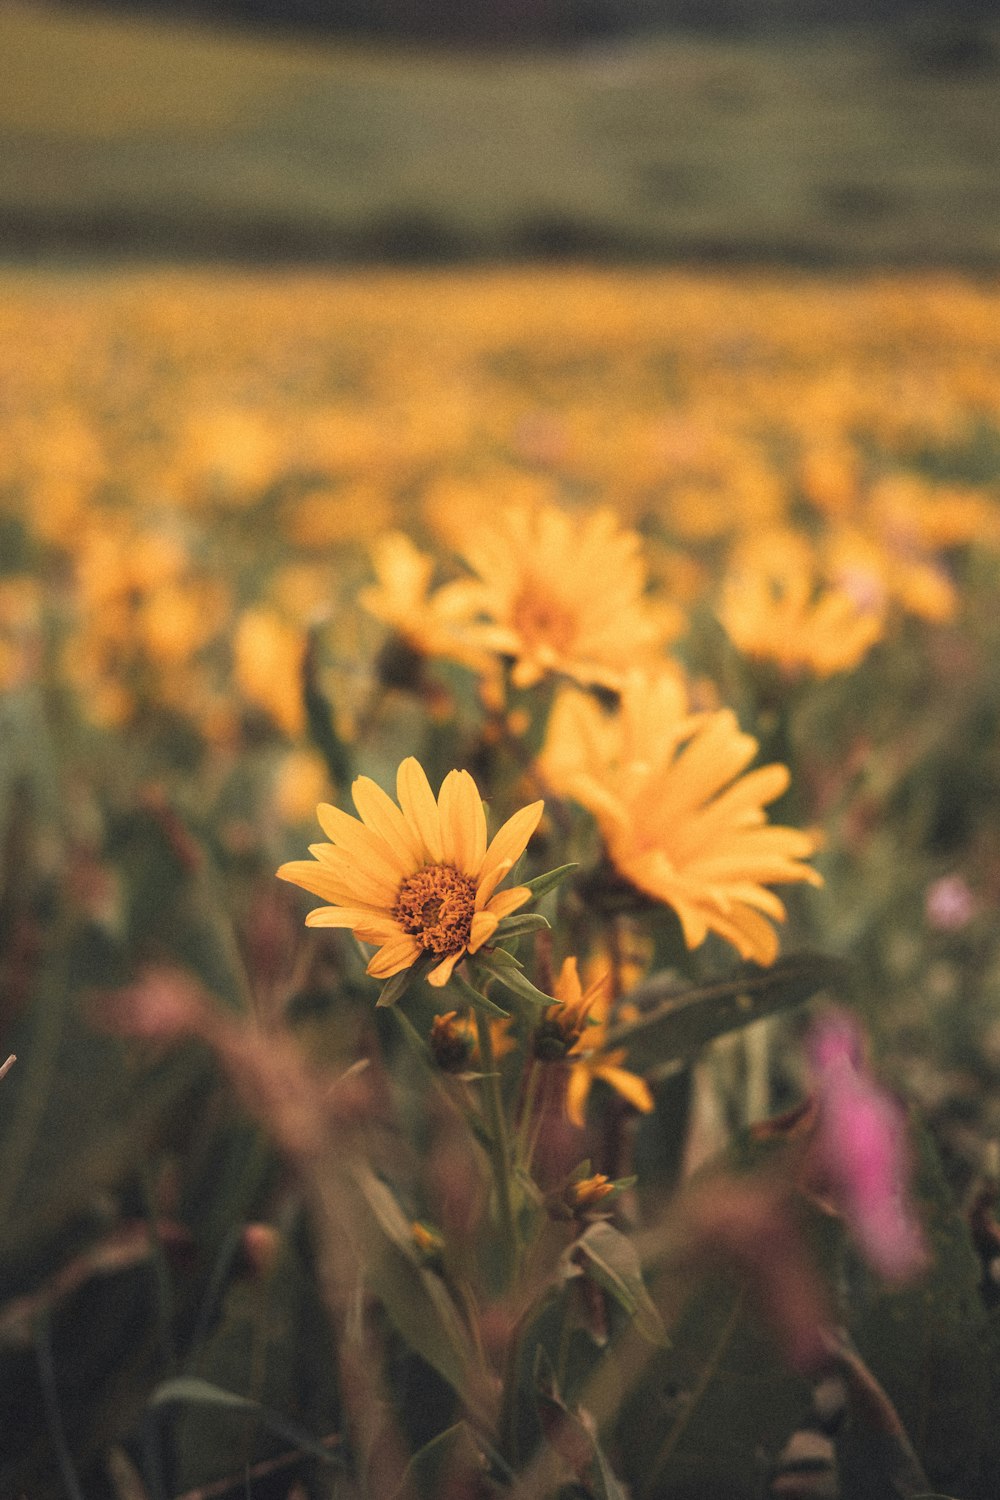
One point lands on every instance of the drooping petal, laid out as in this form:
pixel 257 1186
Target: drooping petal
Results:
pixel 577 1094
pixel 440 975
pixel 630 1086
pixel 399 954
pixel 484 925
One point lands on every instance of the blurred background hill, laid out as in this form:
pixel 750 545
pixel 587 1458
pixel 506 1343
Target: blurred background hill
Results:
pixel 331 130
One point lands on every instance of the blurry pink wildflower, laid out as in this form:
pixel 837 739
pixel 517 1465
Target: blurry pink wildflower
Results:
pixel 949 904
pixel 860 1151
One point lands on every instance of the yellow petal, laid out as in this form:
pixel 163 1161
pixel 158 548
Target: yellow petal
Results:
pixel 370 851
pixel 489 882
pixel 484 925
pixel 420 808
pixel 577 1093
pixel 510 842
pixel 463 822
pixel 383 817
pixel 353 917
pixel 629 1085
pixel 397 955
pixel 370 888
pixel 330 884
pixel 439 976
pixel 504 902
pixel 567 987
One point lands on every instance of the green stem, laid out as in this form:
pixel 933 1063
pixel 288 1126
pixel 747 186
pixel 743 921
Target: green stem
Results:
pixel 500 1146
pixel 708 1374
pixel 527 1111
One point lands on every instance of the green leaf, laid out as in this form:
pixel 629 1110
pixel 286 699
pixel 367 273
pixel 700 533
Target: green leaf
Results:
pixel 572 1435
pixel 191 1389
pixel 441 1466
pixel 502 957
pixel 522 923
pixel 475 998
pixel 416 1299
pixel 513 980
pixel 610 1259
pixel 542 884
pixel 397 985
pixel 676 1023
pixel 321 720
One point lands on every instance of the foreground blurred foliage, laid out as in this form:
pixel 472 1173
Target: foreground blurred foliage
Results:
pixel 630 546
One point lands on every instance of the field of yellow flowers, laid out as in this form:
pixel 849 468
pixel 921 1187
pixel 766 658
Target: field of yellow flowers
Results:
pixel 624 1122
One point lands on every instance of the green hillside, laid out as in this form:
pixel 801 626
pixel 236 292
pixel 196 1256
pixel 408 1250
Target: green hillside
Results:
pixel 135 134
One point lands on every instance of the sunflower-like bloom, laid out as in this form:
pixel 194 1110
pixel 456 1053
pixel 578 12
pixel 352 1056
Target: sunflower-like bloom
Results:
pixel 415 878
pixel 679 818
pixel 564 594
pixel 776 608
pixel 588 1057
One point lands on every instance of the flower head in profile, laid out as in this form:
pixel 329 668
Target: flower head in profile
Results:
pixel 564 594
pixel 589 1057
pixel 415 878
pixel 682 818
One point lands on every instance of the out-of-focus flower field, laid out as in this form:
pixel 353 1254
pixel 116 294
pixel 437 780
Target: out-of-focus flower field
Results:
pixel 625 544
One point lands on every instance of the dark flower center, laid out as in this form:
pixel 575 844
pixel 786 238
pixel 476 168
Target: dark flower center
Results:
pixel 436 906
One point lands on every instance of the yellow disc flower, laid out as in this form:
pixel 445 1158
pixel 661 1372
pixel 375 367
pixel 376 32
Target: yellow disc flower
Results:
pixel 564 593
pixel 680 819
pixel 415 878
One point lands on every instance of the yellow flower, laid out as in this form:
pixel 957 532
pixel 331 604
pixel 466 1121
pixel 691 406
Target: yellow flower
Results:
pixel 564 594
pixel 268 654
pixel 418 877
pixel 587 1058
pixel 775 608
pixel 679 818
pixel 402 599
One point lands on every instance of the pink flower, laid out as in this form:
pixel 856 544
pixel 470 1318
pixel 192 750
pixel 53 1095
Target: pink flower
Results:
pixel 949 904
pixel 860 1151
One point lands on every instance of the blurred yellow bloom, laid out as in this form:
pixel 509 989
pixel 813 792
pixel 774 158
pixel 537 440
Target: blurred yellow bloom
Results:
pixel 776 608
pixel 430 621
pixel 415 878
pixel 300 783
pixel 679 817
pixel 564 593
pixel 267 664
pixel 20 630
pixel 587 1057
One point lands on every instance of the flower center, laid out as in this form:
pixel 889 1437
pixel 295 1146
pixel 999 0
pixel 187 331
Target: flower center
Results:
pixel 541 620
pixel 436 906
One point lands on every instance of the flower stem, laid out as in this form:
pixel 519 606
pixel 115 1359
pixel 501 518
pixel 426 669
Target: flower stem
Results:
pixel 528 1111
pixel 500 1147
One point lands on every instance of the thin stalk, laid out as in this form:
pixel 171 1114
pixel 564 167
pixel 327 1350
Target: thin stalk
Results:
pixel 500 1146
pixel 527 1112
pixel 53 1415
pixel 708 1374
